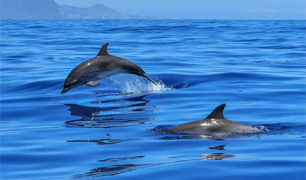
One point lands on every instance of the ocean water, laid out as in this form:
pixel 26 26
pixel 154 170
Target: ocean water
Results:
pixel 107 132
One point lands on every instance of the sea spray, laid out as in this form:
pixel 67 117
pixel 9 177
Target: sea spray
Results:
pixel 134 85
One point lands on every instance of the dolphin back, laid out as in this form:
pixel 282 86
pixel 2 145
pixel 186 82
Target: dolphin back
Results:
pixel 214 125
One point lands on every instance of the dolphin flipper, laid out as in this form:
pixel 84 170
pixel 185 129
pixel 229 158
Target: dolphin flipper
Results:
pixel 93 83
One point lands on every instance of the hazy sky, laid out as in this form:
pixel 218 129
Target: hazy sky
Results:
pixel 204 9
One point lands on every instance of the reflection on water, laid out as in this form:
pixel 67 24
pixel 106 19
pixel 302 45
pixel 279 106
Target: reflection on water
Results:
pixel 110 113
pixel 105 141
pixel 87 113
pixel 217 156
pixel 106 122
pixel 218 147
pixel 120 159
pixel 111 170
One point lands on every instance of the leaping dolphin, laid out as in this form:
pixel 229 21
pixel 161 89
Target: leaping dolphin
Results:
pixel 99 67
pixel 215 124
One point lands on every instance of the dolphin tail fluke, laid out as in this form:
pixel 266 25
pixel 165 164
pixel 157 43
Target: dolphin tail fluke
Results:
pixel 151 80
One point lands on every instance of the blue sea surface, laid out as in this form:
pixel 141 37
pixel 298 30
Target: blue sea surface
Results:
pixel 256 67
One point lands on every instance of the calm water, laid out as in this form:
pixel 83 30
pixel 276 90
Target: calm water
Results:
pixel 256 67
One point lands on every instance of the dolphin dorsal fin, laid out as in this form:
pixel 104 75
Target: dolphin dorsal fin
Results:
pixel 103 50
pixel 217 113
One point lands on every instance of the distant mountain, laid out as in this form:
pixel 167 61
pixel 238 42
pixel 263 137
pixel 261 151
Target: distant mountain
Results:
pixel 97 11
pixel 48 9
pixel 29 9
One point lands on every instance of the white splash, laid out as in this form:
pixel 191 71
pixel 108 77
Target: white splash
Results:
pixel 135 85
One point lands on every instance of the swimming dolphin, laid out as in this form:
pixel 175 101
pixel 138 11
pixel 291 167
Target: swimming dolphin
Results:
pixel 99 67
pixel 215 124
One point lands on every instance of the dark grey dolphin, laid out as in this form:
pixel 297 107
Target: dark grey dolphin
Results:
pixel 99 67
pixel 215 124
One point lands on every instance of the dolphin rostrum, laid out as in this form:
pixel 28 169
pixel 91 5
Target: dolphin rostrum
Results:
pixel 215 124
pixel 99 67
